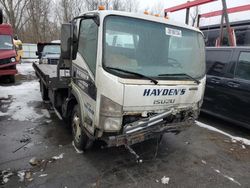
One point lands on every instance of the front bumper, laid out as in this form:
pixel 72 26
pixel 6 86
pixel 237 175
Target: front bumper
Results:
pixel 145 129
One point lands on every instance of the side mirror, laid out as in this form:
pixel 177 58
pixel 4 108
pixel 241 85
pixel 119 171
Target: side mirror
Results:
pixel 66 40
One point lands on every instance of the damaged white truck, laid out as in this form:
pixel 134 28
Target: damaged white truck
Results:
pixel 125 78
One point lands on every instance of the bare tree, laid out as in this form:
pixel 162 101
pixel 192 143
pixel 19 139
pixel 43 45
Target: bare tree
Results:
pixel 194 15
pixel 41 26
pixel 157 8
pixel 14 13
pixel 69 9
pixel 131 5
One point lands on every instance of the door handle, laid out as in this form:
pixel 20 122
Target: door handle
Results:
pixel 215 80
pixel 233 84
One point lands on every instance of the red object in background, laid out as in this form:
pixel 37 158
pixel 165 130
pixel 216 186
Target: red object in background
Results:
pixel 229 10
pixel 187 5
pixel 7 67
pixel 6 29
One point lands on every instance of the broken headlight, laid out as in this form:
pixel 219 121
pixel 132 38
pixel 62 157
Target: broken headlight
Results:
pixel 110 115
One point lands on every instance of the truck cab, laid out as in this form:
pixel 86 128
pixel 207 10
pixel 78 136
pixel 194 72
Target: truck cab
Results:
pixel 132 77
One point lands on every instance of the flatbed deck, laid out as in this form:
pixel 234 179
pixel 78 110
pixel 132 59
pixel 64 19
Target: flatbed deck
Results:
pixel 48 75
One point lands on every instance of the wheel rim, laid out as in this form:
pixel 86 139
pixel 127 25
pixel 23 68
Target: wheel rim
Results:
pixel 76 127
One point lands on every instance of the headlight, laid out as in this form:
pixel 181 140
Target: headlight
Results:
pixel 12 59
pixel 45 61
pixel 110 115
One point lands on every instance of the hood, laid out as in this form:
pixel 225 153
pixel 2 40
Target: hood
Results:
pixel 4 54
pixel 158 97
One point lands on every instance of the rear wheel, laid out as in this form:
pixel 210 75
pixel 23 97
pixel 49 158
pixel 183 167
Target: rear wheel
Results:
pixel 80 138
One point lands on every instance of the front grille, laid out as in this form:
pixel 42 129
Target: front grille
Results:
pixel 52 61
pixel 4 61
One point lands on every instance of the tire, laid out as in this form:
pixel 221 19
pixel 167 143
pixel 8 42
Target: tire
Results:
pixel 12 79
pixel 80 138
pixel 44 91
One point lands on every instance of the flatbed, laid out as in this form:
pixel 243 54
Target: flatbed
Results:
pixel 48 75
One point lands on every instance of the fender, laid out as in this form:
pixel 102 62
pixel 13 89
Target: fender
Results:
pixel 76 91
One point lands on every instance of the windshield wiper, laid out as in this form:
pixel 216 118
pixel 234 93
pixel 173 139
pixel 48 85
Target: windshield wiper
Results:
pixel 134 73
pixel 181 74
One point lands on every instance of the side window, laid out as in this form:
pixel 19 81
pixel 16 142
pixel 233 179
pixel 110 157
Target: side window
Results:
pixel 243 66
pixel 217 61
pixel 87 44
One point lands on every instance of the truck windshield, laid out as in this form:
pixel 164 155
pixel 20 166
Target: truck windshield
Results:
pixel 52 49
pixel 6 42
pixel 152 49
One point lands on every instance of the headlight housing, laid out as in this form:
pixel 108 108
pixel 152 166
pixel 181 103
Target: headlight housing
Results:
pixel 110 115
pixel 12 60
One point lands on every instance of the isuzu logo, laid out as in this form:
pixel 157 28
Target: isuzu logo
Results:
pixel 163 92
pixel 164 101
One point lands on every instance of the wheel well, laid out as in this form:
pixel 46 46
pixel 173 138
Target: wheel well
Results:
pixel 70 105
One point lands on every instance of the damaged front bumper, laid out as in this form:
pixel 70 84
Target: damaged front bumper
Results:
pixel 147 128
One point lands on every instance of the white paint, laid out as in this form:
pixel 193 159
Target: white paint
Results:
pixel 77 150
pixel 58 157
pixel 234 138
pixel 165 180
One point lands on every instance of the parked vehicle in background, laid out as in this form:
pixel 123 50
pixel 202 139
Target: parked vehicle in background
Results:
pixel 227 93
pixel 48 53
pixel 7 52
pixel 19 48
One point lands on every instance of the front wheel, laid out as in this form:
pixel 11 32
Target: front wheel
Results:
pixel 80 138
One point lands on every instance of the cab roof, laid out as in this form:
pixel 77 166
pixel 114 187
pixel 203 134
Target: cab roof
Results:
pixel 104 13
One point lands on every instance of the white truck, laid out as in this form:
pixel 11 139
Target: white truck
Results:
pixel 124 77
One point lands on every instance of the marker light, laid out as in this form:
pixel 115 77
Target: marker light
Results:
pixel 101 7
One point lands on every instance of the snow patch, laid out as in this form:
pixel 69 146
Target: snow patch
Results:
pixel 204 162
pixel 233 138
pixel 165 180
pixel 3 114
pixel 58 157
pixel 21 175
pixel 22 95
pixel 25 69
pixel 232 179
pixel 43 175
